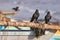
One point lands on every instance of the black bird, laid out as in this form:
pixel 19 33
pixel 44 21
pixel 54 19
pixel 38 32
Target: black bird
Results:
pixel 34 19
pixel 16 8
pixel 35 16
pixel 47 17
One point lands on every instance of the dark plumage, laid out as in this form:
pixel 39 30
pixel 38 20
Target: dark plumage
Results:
pixel 47 17
pixel 35 16
pixel 34 19
pixel 16 9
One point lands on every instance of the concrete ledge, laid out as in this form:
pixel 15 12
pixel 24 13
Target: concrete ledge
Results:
pixel 16 33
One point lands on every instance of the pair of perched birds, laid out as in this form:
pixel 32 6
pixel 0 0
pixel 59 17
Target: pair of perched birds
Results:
pixel 34 19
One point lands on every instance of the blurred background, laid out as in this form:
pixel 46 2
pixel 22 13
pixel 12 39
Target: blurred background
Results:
pixel 28 7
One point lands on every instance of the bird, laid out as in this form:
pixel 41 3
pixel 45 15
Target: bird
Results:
pixel 35 16
pixel 34 19
pixel 16 8
pixel 47 17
